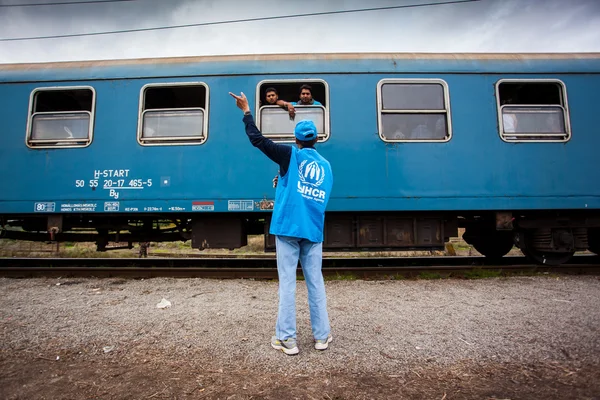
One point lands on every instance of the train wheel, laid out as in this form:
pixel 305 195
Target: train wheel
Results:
pixel 540 256
pixel 495 245
pixel 489 242
pixel 547 258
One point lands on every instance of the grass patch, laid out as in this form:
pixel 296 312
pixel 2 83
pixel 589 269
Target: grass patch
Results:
pixel 533 272
pixel 340 277
pixel 255 246
pixel 161 251
pixel 184 245
pixel 482 273
pixel 460 246
pixel 174 245
pixel 430 275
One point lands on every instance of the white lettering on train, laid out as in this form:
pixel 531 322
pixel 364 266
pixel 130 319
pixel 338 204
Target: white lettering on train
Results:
pixel 111 173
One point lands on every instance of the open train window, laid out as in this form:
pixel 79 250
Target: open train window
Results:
pixel 61 117
pixel 532 111
pixel 274 121
pixel 173 114
pixel 413 110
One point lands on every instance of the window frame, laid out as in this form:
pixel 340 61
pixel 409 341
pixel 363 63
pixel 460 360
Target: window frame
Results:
pixel 177 140
pixel 32 103
pixel 446 110
pixel 522 139
pixel 326 119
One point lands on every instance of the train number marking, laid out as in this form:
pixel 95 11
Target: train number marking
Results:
pixel 44 207
pixel 114 180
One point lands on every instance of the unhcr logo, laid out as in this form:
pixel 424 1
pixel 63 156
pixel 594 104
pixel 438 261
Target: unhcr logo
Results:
pixel 312 174
pixel 310 177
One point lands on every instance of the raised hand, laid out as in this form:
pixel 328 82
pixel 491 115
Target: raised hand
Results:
pixel 241 101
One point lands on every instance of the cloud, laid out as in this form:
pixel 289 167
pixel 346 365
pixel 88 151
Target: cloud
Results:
pixel 485 26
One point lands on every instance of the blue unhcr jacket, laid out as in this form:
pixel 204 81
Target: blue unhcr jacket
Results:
pixel 303 190
pixel 302 196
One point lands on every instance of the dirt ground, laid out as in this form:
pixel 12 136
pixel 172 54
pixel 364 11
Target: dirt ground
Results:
pixel 55 370
pixel 144 374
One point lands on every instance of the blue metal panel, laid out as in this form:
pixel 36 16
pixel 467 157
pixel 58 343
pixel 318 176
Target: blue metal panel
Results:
pixel 475 170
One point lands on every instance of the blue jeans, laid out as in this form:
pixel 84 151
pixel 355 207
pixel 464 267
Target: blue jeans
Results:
pixel 289 249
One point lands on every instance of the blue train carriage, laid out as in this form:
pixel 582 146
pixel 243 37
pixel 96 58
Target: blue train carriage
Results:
pixel 154 150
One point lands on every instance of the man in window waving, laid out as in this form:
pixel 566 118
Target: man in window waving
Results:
pixel 303 189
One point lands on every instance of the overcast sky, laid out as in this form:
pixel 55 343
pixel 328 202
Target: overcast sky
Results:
pixel 483 26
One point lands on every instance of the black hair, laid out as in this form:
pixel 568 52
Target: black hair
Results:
pixel 271 89
pixel 307 87
pixel 307 143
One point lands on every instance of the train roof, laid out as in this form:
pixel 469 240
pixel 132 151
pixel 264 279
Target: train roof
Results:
pixel 313 63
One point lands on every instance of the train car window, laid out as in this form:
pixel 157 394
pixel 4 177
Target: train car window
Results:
pixel 61 117
pixel 173 114
pixel 404 96
pixel 275 122
pixel 413 110
pixel 532 111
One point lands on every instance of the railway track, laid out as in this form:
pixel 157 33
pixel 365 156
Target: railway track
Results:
pixel 265 268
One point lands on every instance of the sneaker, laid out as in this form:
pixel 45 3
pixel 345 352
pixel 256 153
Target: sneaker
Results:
pixel 322 344
pixel 288 346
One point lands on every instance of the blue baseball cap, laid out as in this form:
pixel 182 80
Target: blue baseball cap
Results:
pixel 305 130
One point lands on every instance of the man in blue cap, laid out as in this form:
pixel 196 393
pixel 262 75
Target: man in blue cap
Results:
pixel 303 189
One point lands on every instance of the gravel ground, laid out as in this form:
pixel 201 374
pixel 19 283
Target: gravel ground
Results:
pixel 518 337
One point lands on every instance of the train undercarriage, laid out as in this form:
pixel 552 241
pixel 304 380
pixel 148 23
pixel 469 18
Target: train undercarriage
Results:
pixel 549 238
